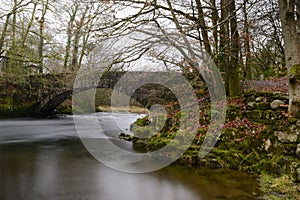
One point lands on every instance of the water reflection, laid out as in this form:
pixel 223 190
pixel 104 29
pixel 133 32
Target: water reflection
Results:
pixel 43 159
pixel 37 172
pixel 142 186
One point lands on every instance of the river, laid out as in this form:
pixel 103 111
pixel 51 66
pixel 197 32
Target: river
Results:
pixel 44 159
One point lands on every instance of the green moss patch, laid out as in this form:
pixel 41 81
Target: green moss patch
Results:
pixel 295 71
pixel 278 188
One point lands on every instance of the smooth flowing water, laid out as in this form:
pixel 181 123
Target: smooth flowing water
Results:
pixel 44 159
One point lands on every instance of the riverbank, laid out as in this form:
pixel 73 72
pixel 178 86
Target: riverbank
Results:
pixel 131 109
pixel 258 137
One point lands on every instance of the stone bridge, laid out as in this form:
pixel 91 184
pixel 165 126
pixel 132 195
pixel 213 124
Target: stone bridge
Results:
pixel 55 89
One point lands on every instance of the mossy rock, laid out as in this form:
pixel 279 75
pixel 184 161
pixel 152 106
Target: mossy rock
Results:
pixel 278 187
pixel 142 121
pixel 290 149
pixel 262 94
pixel 194 148
pixel 263 106
pixel 276 164
pixel 276 115
pixel 143 132
pixel 139 145
pixel 126 137
pixel 233 112
pixel 157 144
pixel 293 120
pixel 255 114
pixel 249 93
pixel 173 145
pixel 190 160
pixel 249 99
pixel 267 115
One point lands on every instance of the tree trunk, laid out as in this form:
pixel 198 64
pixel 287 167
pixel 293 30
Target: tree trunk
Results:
pixel 12 63
pixel 224 43
pixel 24 36
pixel 231 47
pixel 4 30
pixel 291 38
pixel 78 34
pixel 203 28
pixel 247 72
pixel 69 36
pixel 41 44
pixel 215 33
pixel 234 80
pixel 74 63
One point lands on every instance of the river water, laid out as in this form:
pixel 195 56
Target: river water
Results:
pixel 44 159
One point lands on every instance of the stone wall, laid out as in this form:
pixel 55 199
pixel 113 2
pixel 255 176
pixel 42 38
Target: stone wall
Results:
pixel 271 109
pixel 258 136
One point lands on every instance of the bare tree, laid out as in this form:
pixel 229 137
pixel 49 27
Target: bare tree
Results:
pixel 247 38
